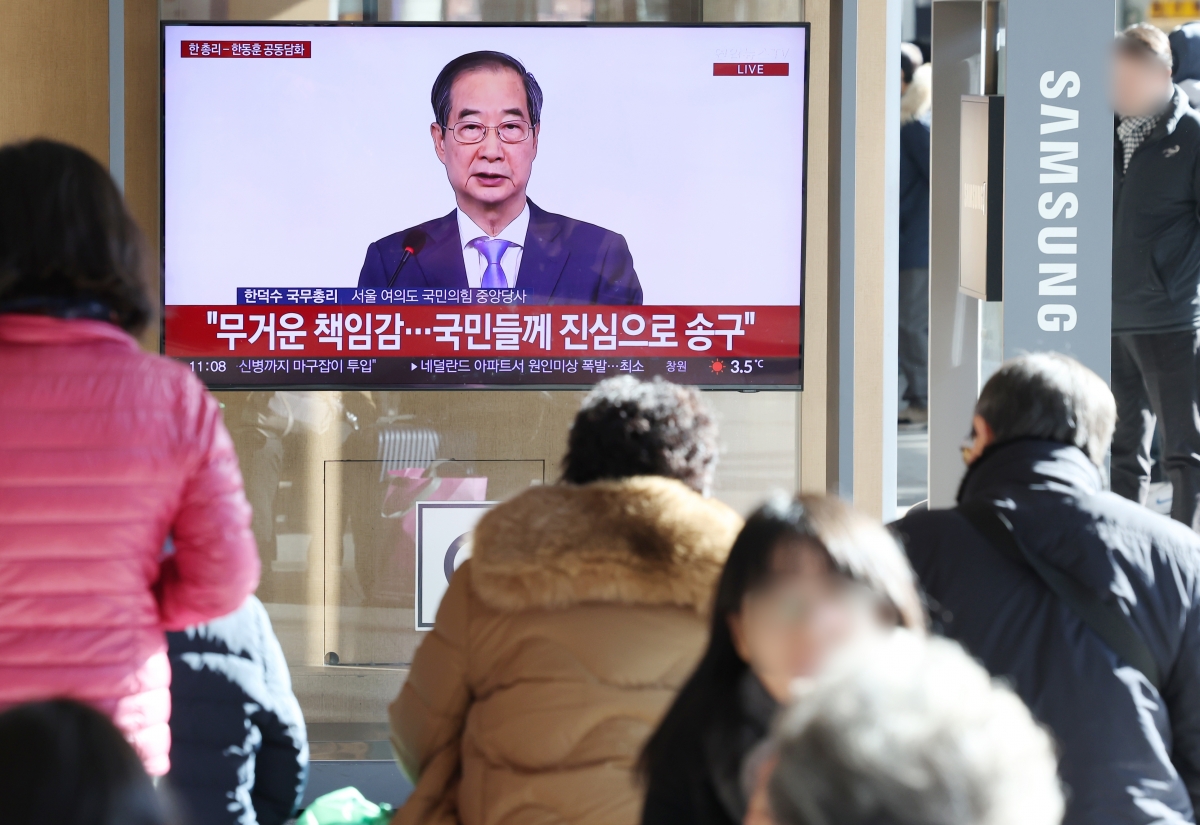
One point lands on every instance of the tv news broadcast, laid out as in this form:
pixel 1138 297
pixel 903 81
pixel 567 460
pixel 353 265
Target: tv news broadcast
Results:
pixel 407 206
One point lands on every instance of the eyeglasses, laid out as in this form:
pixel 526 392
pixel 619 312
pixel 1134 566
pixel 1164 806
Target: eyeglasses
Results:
pixel 510 131
pixel 968 447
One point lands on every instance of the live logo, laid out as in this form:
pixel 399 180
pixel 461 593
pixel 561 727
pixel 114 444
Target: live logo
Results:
pixel 750 70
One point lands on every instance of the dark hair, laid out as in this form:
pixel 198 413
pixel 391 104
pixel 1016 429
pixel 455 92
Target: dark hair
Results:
pixel 910 58
pixel 1142 41
pixel 1185 51
pixel 1049 396
pixel 440 96
pixel 63 762
pixel 67 244
pixel 627 427
pixel 856 547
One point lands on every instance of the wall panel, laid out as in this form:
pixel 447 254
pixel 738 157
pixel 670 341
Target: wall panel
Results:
pixel 54 72
pixel 141 133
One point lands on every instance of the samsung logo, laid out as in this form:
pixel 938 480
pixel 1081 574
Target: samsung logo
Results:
pixel 1058 164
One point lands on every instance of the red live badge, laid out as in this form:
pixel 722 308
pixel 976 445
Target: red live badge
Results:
pixel 750 70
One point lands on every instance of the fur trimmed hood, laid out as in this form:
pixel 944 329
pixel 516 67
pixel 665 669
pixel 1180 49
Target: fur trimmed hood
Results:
pixel 918 97
pixel 643 541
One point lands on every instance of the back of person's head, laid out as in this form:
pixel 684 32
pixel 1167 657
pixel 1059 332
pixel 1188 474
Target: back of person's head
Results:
pixel 911 57
pixel 772 548
pixel 909 730
pixel 68 247
pixel 627 428
pixel 65 763
pixel 1053 397
pixel 1185 52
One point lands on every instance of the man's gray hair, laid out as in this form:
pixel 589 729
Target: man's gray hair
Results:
pixel 907 730
pixel 1053 397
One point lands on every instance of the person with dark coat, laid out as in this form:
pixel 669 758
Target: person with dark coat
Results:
pixel 1155 274
pixel 1130 752
pixel 916 97
pixel 1185 60
pixel 806 576
pixel 239 749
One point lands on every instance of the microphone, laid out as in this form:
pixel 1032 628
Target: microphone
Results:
pixel 413 242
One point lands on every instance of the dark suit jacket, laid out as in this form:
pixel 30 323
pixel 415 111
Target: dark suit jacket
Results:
pixel 564 261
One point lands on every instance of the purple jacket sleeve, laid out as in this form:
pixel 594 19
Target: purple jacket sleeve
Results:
pixel 619 285
pixel 372 273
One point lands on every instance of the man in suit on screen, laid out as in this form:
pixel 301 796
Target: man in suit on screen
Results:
pixel 488 110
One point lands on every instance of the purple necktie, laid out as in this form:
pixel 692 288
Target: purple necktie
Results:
pixel 493 250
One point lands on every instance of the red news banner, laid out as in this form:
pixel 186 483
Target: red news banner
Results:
pixel 245 48
pixel 435 331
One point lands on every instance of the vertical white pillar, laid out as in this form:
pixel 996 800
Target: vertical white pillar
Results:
pixel 876 255
pixel 953 317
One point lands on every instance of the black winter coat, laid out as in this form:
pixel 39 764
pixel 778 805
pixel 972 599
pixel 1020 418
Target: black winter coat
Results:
pixel 239 749
pixel 704 783
pixel 1156 227
pixel 914 194
pixel 1128 754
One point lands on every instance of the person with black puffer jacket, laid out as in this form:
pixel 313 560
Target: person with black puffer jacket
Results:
pixel 239 748
pixel 1087 604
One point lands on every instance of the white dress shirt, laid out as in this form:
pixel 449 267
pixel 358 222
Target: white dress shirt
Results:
pixel 473 258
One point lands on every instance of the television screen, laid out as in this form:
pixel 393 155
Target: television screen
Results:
pixel 396 206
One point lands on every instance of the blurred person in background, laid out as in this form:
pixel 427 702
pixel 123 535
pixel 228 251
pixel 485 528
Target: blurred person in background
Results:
pixel 916 96
pixel 907 730
pixel 122 514
pixel 1156 274
pixel 63 763
pixel 562 640
pixel 805 576
pixel 1185 59
pixel 1034 553
pixel 239 749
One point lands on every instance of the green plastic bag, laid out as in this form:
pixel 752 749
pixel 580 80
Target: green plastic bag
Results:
pixel 345 807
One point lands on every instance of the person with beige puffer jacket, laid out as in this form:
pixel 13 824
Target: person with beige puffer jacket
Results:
pixel 561 642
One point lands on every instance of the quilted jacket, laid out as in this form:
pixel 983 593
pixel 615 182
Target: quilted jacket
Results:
pixel 556 651
pixel 105 453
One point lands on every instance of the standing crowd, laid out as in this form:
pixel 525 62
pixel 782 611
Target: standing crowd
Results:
pixel 621 647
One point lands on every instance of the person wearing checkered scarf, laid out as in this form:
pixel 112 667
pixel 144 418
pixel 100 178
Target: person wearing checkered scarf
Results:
pixel 1156 274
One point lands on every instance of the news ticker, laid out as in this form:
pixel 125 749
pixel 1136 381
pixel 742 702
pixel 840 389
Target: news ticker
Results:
pixel 489 371
pixel 513 332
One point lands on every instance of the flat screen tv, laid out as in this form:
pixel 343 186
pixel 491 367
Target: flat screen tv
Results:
pixel 406 206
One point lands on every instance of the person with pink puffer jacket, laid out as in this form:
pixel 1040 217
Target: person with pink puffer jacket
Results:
pixel 122 513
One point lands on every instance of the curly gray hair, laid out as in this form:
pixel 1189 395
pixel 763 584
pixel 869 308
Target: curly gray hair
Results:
pixel 911 731
pixel 626 427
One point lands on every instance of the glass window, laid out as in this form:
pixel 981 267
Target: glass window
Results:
pixel 334 477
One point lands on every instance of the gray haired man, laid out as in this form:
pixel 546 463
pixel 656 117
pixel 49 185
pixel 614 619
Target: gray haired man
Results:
pixel 908 730
pixel 1086 602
